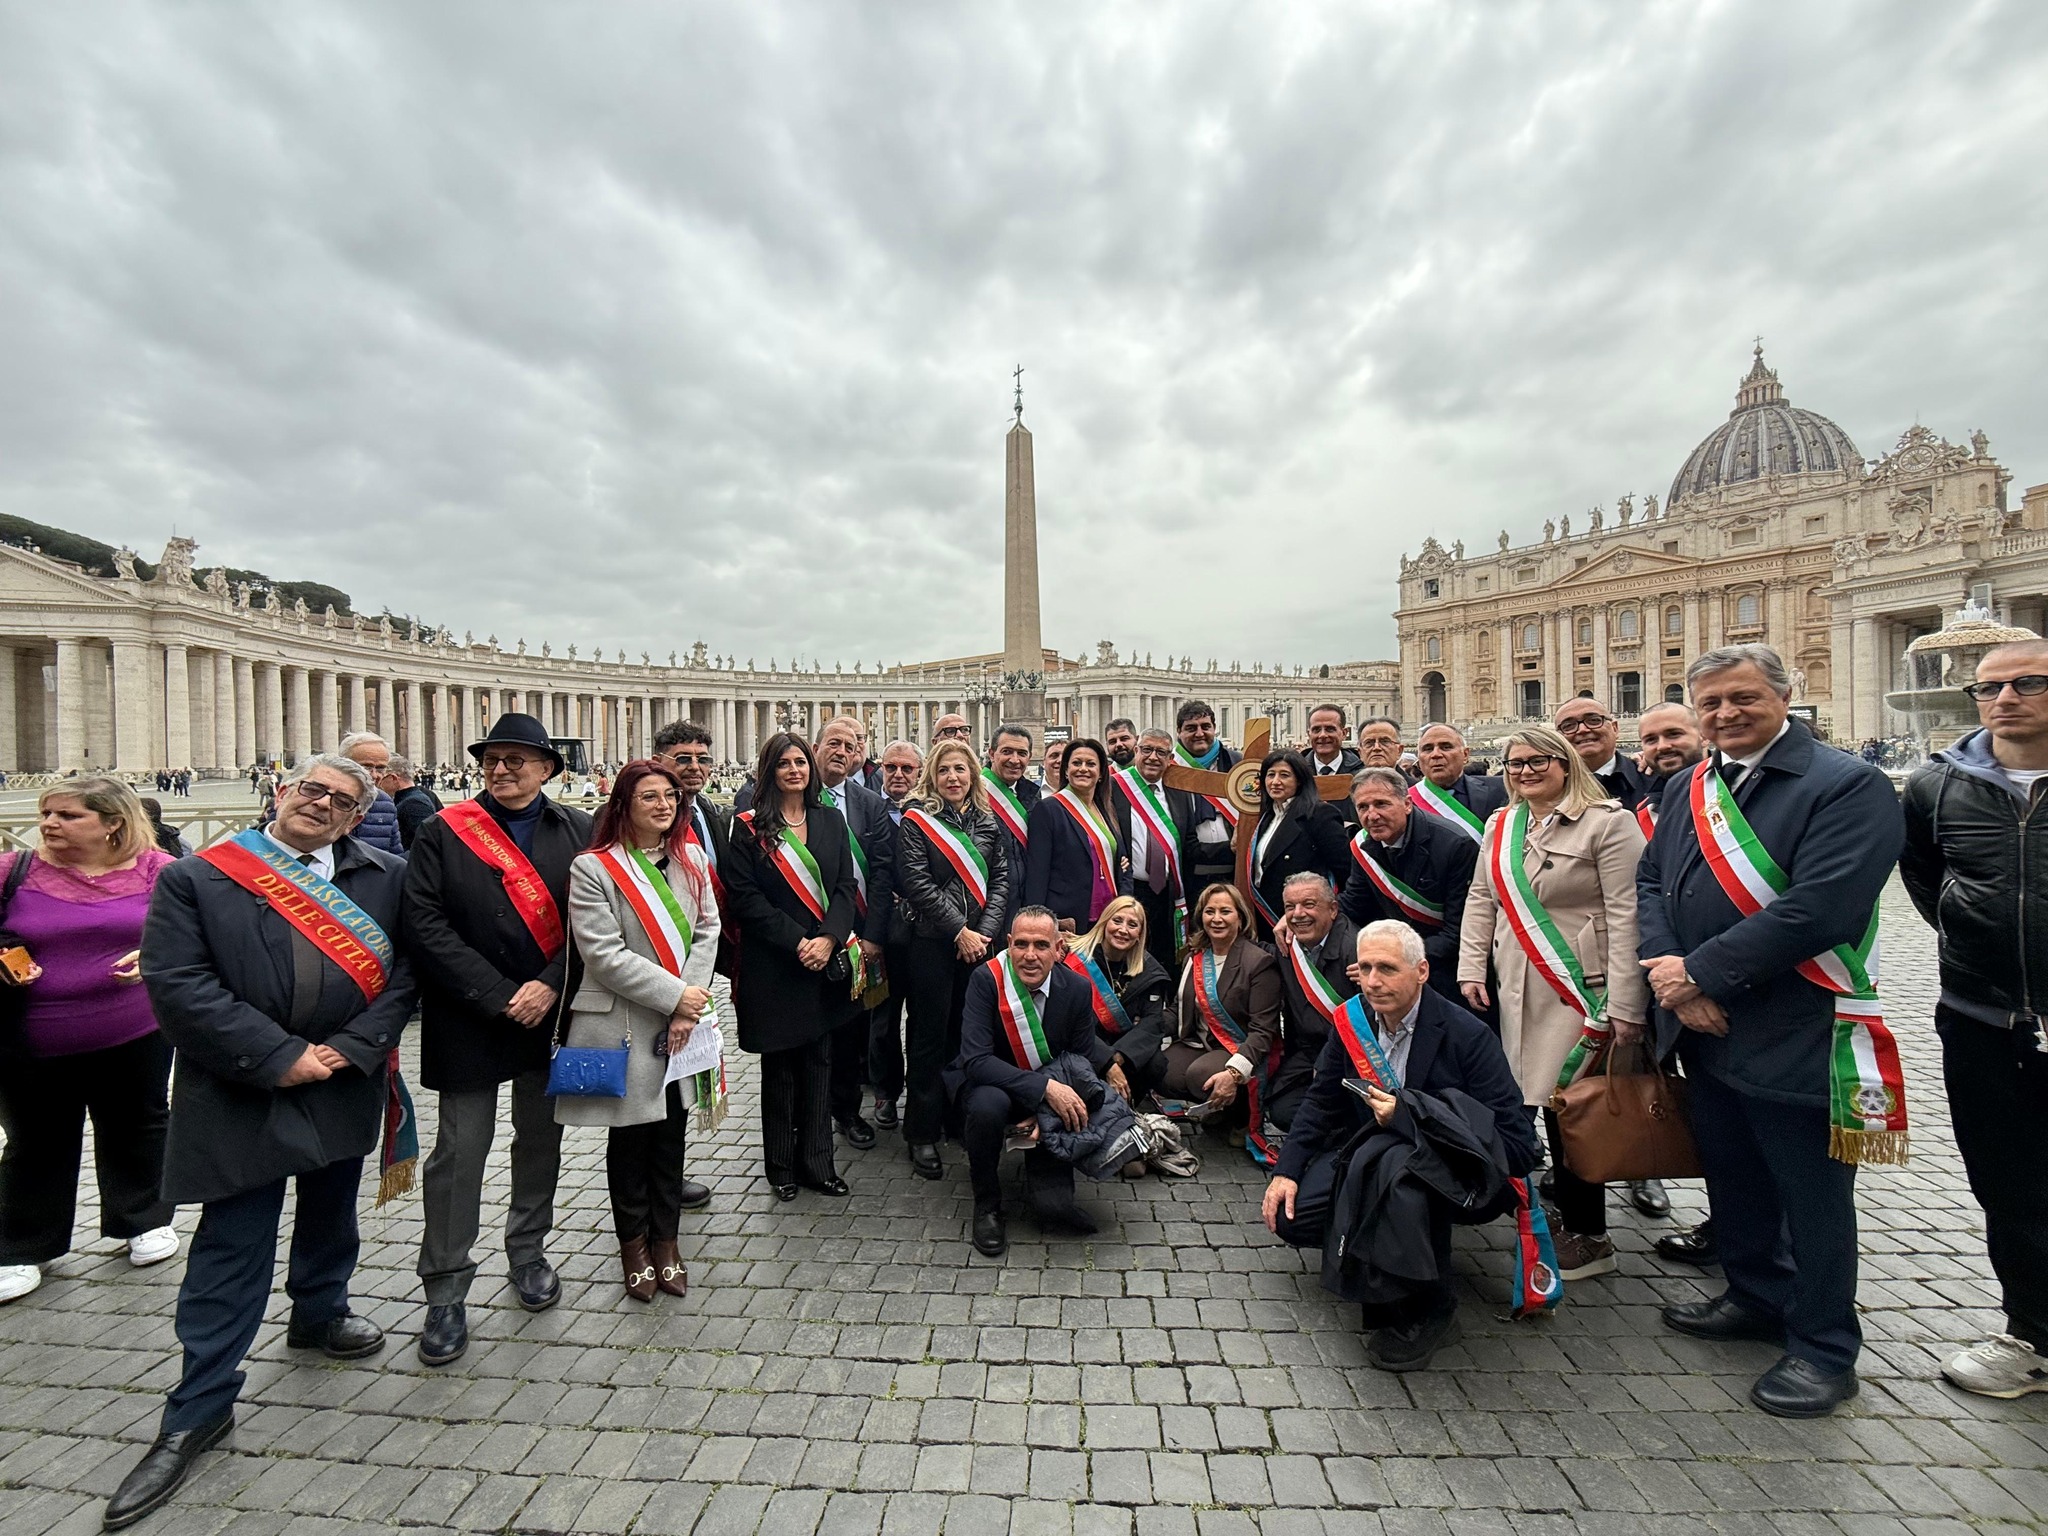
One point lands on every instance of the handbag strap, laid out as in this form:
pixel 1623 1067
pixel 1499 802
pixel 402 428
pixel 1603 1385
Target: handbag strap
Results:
pixel 17 874
pixel 556 1041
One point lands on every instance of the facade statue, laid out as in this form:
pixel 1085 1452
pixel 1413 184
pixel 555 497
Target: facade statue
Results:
pixel 1980 445
pixel 1596 519
pixel 124 563
pixel 572 650
pixel 646 660
pixel 1503 538
pixel 521 649
pixel 545 649
pixel 1624 508
pixel 468 638
pixel 384 627
pixel 1458 550
pixel 299 609
pixel 1105 653
pixel 175 569
pixel 1798 685
pixel 329 617
pixel 1650 507
pixel 217 581
pixel 1549 531
pixel 1564 526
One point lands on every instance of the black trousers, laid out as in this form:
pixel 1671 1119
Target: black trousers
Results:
pixel 1784 1217
pixel 1309 1226
pixel 1158 924
pixel 43 1104
pixel 849 1044
pixel 796 1114
pixel 986 1113
pixel 1289 1085
pixel 937 995
pixel 1998 1102
pixel 885 1026
pixel 1581 1207
pixel 644 1166
pixel 228 1275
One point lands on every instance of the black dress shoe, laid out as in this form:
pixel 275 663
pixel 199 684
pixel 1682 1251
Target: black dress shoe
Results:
pixel 885 1114
pixel 1411 1346
pixel 991 1234
pixel 162 1470
pixel 1547 1186
pixel 784 1192
pixel 1694 1247
pixel 538 1285
pixel 693 1196
pixel 858 1133
pixel 1647 1195
pixel 1722 1318
pixel 446 1334
pixel 924 1160
pixel 832 1186
pixel 1799 1389
pixel 1068 1216
pixel 346 1337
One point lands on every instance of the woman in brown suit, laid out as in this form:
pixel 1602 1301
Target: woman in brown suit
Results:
pixel 1229 1004
pixel 1579 853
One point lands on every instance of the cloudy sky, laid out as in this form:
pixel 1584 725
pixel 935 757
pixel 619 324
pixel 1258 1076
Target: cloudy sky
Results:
pixel 633 324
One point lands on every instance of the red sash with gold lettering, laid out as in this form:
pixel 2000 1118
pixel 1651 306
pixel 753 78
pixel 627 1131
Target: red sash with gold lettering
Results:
pixel 477 831
pixel 337 927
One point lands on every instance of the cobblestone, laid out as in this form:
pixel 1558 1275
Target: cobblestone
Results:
pixel 854 1369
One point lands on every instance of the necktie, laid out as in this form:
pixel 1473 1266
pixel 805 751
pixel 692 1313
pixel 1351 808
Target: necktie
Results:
pixel 1155 864
pixel 1325 771
pixel 831 798
pixel 1733 774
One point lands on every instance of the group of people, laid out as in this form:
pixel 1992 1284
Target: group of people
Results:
pixel 1379 984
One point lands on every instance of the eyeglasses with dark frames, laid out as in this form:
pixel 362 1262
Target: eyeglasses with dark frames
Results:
pixel 2026 687
pixel 1529 764
pixel 308 790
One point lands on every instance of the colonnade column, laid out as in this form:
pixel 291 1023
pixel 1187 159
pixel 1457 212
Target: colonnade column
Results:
pixel 326 712
pixel 298 712
pixel 415 721
pixel 70 706
pixel 442 753
pixel 245 712
pixel 131 706
pixel 358 705
pixel 387 708
pixel 224 754
pixel 177 708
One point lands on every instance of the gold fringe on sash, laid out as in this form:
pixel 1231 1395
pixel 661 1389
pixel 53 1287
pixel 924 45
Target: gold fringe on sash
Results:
pixel 397 1180
pixel 1859 1147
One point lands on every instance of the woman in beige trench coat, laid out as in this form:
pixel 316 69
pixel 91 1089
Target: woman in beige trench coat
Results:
pixel 1580 856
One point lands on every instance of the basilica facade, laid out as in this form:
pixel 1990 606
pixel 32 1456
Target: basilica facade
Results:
pixel 1775 528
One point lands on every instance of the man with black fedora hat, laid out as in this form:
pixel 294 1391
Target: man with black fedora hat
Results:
pixel 485 897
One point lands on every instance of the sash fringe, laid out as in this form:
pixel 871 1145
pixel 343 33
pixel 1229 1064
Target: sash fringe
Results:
pixel 397 1180
pixel 1859 1147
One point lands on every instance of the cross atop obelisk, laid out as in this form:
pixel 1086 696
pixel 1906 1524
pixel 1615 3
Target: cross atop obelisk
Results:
pixel 1023 646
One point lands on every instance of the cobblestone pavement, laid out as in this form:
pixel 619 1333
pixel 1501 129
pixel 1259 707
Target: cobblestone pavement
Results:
pixel 852 1368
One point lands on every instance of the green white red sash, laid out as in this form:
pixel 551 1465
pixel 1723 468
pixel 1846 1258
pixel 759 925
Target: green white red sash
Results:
pixel 1866 1084
pixel 1004 802
pixel 1018 1010
pixel 956 848
pixel 1149 808
pixel 1321 993
pixel 1410 903
pixel 1445 806
pixel 477 831
pixel 1101 843
pixel 1222 802
pixel 1646 818
pixel 1538 935
pixel 337 927
pixel 799 867
pixel 648 893
pixel 1109 1008
pixel 860 858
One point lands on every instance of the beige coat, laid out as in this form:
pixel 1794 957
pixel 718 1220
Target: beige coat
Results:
pixel 624 987
pixel 1584 871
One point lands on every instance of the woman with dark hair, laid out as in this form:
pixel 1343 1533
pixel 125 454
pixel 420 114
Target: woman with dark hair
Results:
pixel 1229 1005
pixel 1075 861
pixel 789 885
pixel 1297 834
pixel 953 882
pixel 645 923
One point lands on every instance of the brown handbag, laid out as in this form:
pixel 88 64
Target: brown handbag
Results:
pixel 1622 1126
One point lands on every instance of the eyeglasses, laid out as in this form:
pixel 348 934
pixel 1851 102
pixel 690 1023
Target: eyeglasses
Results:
pixel 308 790
pixel 511 764
pixel 1584 723
pixel 952 733
pixel 2026 687
pixel 1530 764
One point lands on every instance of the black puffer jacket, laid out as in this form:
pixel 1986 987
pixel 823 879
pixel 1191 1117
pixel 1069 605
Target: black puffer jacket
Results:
pixel 1976 865
pixel 932 900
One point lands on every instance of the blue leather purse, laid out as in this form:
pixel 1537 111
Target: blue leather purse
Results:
pixel 582 1071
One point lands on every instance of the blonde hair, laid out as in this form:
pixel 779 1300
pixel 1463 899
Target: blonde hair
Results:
pixel 1581 789
pixel 1094 942
pixel 927 788
pixel 111 800
pixel 1198 936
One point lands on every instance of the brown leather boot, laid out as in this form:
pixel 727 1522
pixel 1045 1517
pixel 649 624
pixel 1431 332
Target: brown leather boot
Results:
pixel 639 1268
pixel 669 1272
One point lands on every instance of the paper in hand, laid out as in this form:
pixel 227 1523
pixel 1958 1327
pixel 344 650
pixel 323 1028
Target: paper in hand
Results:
pixel 700 1053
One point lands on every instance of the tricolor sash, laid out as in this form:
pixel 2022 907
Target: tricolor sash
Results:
pixel 1315 986
pixel 1004 802
pixel 668 930
pixel 1018 1010
pixel 1445 806
pixel 1538 936
pixel 956 848
pixel 1222 802
pixel 799 867
pixel 1206 971
pixel 860 857
pixel 1109 1008
pixel 1866 1085
pixel 1149 808
pixel 1354 1027
pixel 1646 818
pixel 317 908
pixel 710 858
pixel 1413 906
pixel 1101 843
pixel 477 831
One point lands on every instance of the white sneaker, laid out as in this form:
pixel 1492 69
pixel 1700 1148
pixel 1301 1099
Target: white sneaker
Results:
pixel 153 1246
pixel 2002 1366
pixel 17 1280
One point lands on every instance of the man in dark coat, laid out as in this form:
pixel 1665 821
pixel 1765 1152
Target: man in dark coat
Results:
pixel 1328 754
pixel 283 1027
pixel 414 803
pixel 1317 935
pixel 1155 868
pixel 994 1086
pixel 485 898
pixel 1009 754
pixel 1671 744
pixel 379 826
pixel 868 821
pixel 1443 757
pixel 1422 853
pixel 1758 1036
pixel 1432 1046
pixel 1595 734
pixel 1206 855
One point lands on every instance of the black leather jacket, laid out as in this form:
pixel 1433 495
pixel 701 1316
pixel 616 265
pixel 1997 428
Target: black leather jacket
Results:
pixel 932 900
pixel 1976 865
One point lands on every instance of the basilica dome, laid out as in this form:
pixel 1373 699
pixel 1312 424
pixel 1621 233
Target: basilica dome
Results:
pixel 1764 435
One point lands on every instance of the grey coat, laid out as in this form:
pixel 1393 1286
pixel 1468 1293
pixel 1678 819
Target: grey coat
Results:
pixel 625 988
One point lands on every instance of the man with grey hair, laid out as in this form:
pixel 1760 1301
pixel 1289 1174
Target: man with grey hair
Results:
pixel 1756 900
pixel 413 801
pixel 379 826
pixel 1146 819
pixel 1318 949
pixel 1371 1095
pixel 1411 867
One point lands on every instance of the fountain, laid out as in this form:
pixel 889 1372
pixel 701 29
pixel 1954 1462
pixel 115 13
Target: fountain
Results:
pixel 1935 667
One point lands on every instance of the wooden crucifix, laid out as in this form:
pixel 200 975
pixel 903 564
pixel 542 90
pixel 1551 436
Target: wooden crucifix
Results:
pixel 1238 787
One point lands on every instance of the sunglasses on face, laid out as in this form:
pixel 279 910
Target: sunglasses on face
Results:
pixel 2026 687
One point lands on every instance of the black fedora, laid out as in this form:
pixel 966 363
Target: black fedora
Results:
pixel 517 730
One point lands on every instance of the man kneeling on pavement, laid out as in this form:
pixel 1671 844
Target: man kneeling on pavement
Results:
pixel 1384 1159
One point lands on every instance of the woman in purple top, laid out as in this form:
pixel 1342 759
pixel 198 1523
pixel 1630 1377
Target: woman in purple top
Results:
pixel 88 1043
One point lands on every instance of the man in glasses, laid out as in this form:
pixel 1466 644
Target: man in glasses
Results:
pixel 950 728
pixel 1975 867
pixel 1592 729
pixel 486 908
pixel 271 968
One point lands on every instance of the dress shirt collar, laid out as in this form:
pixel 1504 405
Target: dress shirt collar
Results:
pixel 320 861
pixel 1749 762
pixel 1608 769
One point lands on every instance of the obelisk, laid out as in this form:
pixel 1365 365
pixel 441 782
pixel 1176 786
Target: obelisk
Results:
pixel 1023 647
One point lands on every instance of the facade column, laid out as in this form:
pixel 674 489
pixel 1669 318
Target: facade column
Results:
pixel 1695 637
pixel 298 699
pixel 10 718
pixel 326 711
pixel 415 721
pixel 1778 631
pixel 1602 685
pixel 439 738
pixel 177 707
pixel 246 733
pixel 70 706
pixel 1866 712
pixel 269 711
pixel 1717 620
pixel 131 706
pixel 224 755
pixel 358 706
pixel 387 709
pixel 1560 662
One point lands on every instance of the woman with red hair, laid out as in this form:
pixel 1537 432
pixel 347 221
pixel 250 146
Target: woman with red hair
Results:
pixel 645 922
